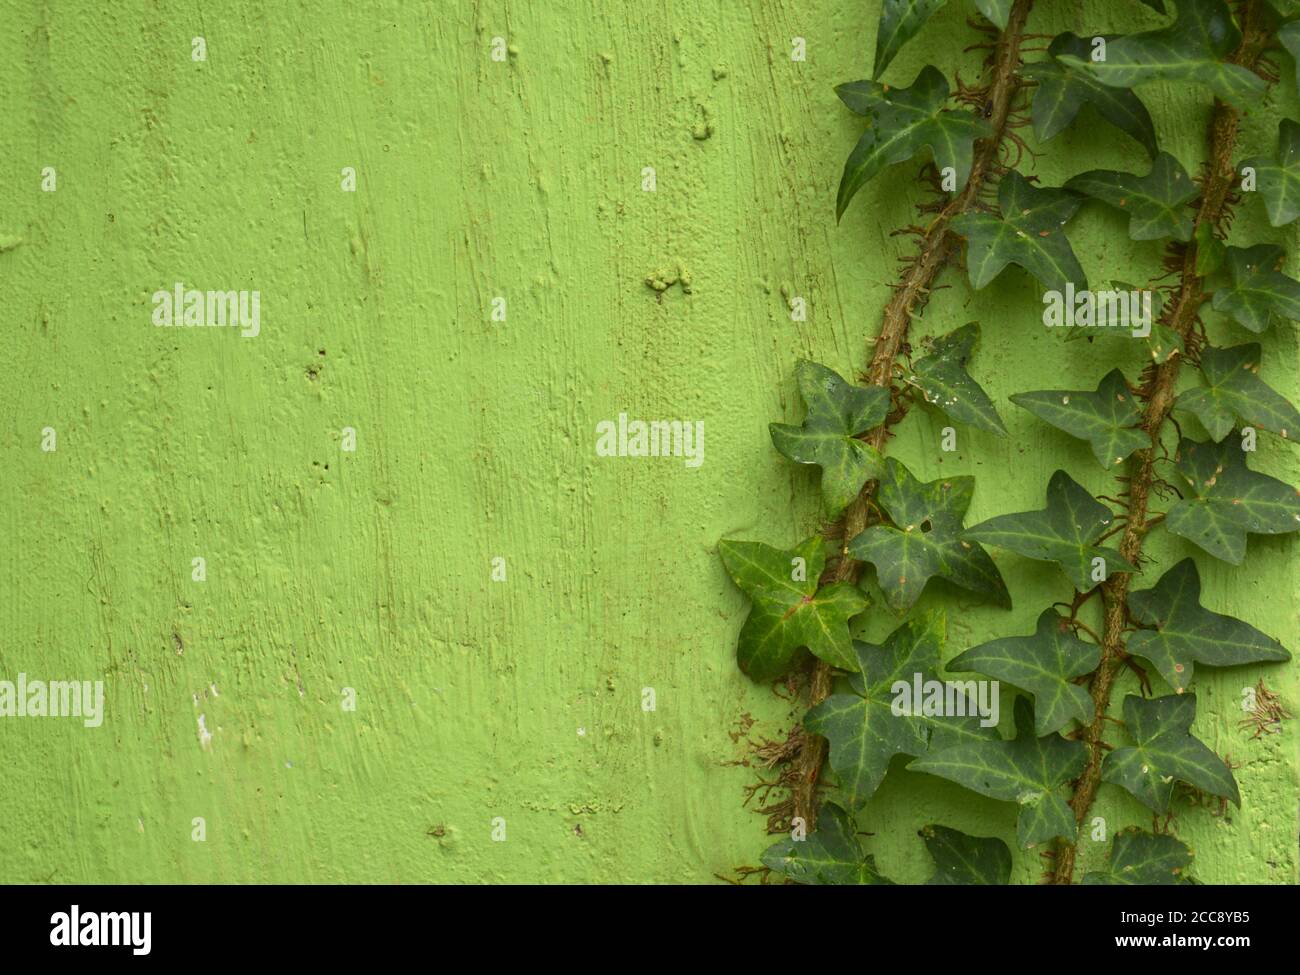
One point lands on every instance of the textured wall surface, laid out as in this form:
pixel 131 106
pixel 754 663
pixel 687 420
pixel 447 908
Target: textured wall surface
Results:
pixel 372 569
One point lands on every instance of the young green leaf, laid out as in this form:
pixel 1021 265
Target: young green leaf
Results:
pixel 832 854
pixel 902 122
pixel 924 539
pixel 1226 500
pixel 1030 233
pixel 837 411
pixel 862 727
pixel 1064 532
pixel 1063 90
pixel 1258 291
pixel 900 20
pixel 1186 633
pixel 1278 177
pixel 789 612
pixel 1156 203
pixel 966 860
pixel 1138 858
pixel 1163 343
pixel 1193 49
pixel 1108 418
pixel 1209 250
pixel 1044 665
pixel 996 11
pixel 944 382
pixel 1165 751
pixel 1235 395
pixel 1028 770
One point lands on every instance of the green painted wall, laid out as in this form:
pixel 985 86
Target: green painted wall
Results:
pixel 475 439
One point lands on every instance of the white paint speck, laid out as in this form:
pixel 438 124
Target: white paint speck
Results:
pixel 205 737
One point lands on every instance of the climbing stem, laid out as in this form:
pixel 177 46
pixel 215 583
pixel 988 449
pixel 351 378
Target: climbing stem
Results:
pixel 936 246
pixel 1158 394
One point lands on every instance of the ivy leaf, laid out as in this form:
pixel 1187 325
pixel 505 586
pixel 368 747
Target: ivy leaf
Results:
pixel 1108 418
pixel 1163 343
pixel 900 20
pixel 1156 203
pixel 961 859
pixel 1138 858
pixel 1064 532
pixel 861 726
pixel 1028 770
pixel 788 611
pixel 1289 36
pixel 1193 49
pixel 996 11
pixel 1278 178
pixel 1043 665
pixel 1209 250
pixel 924 540
pixel 1165 751
pixel 1030 233
pixel 1186 633
pixel 1259 291
pixel 1227 499
pixel 837 411
pixel 1235 395
pixel 1063 90
pixel 832 854
pixel 903 121
pixel 944 382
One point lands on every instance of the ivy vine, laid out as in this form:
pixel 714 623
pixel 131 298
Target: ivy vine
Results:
pixel 1067 736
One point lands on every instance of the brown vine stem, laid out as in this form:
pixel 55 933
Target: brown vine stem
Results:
pixel 1158 392
pixel 936 246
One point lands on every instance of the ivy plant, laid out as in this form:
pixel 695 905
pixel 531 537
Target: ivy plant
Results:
pixel 873 711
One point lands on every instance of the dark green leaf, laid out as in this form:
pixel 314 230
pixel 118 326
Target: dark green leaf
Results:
pixel 836 412
pixel 862 727
pixel 1063 90
pixel 899 22
pixel 1186 633
pixel 1029 771
pixel 1165 751
pixel 902 122
pixel 1258 291
pixel 1289 36
pixel 788 611
pixel 1064 532
pixel 1225 500
pixel 1030 233
pixel 1108 418
pixel 962 859
pixel 1156 204
pixel 1044 665
pixel 1143 859
pixel 831 855
pixel 924 539
pixel 1193 49
pixel 1278 177
pixel 1234 395
pixel 944 382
